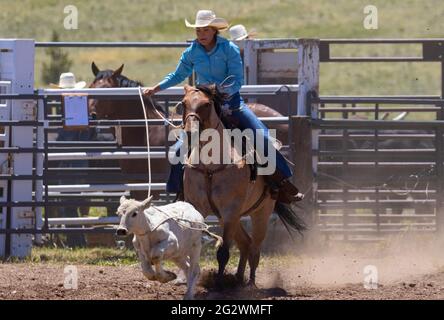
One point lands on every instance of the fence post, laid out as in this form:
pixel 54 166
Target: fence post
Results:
pixel 250 62
pixel 439 186
pixel 301 154
pixel 305 140
pixel 17 67
pixel 308 74
pixel 439 149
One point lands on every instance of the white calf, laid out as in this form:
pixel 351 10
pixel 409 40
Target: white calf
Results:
pixel 170 232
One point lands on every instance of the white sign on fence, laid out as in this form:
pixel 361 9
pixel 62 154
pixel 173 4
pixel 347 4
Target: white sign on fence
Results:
pixel 75 111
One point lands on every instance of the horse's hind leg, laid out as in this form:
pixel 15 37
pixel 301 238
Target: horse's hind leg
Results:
pixel 243 242
pixel 259 222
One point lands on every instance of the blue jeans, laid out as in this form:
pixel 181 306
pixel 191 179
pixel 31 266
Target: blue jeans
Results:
pixel 242 118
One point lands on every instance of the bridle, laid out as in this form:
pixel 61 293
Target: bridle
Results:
pixel 194 114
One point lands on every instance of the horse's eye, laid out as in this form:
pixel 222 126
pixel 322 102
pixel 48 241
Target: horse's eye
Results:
pixel 134 214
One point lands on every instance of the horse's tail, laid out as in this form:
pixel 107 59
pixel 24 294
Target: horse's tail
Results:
pixel 219 240
pixel 290 218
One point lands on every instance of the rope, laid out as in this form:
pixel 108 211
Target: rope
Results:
pixel 228 85
pixel 204 226
pixel 161 115
pixel 147 140
pixel 148 135
pixel 384 185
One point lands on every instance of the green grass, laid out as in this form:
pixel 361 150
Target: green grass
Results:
pixel 148 20
pixel 95 256
pixel 101 256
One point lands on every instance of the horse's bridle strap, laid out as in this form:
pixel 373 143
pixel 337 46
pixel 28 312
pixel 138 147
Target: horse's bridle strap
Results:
pixel 192 114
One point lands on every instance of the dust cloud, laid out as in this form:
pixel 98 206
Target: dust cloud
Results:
pixel 331 264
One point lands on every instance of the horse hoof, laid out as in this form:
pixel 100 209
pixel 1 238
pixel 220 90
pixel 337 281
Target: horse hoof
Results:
pixel 170 276
pixel 219 283
pixel 151 277
pixel 179 282
pixel 251 285
pixel 188 296
pixel 240 280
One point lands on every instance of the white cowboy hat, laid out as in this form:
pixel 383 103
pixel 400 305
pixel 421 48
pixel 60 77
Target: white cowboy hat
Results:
pixel 239 32
pixel 67 80
pixel 207 18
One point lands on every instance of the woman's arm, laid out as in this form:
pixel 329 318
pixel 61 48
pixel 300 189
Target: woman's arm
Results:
pixel 183 70
pixel 235 69
pixel 151 90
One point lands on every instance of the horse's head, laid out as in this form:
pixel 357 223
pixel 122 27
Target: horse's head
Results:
pixel 104 108
pixel 201 106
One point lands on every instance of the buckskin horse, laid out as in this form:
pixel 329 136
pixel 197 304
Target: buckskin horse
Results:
pixel 226 190
pixel 114 109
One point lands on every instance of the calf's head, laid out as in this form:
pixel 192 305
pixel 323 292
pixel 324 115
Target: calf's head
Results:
pixel 132 218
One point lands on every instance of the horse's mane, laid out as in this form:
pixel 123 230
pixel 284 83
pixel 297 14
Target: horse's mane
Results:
pixel 122 81
pixel 215 94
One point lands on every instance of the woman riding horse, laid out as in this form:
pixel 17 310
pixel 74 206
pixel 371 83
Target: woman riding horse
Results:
pixel 214 59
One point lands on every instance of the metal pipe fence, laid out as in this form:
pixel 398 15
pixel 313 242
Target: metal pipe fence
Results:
pixel 87 194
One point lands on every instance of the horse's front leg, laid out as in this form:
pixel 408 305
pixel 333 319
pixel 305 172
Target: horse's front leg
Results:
pixel 223 253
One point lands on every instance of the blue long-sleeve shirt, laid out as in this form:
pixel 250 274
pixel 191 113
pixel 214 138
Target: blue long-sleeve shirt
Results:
pixel 211 67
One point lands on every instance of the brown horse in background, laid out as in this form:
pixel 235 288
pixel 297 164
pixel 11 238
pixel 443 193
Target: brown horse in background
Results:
pixel 135 136
pixel 226 190
pixel 130 136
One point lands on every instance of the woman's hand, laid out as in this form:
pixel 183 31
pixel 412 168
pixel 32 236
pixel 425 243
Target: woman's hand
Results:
pixel 151 91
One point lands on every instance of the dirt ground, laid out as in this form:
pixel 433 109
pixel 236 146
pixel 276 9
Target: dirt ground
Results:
pixel 403 267
pixel 46 281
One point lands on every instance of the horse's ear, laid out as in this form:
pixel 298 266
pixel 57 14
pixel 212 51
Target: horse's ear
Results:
pixel 118 71
pixel 94 69
pixel 213 88
pixel 187 88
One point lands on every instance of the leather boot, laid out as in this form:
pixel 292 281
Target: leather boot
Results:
pixel 282 190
